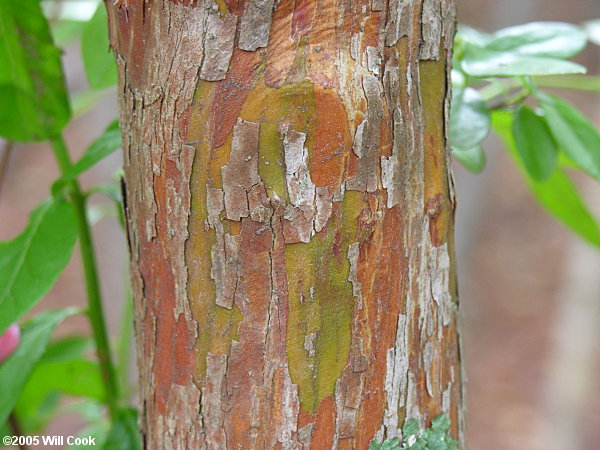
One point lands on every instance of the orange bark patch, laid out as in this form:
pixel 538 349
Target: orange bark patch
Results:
pixel 324 430
pixel 302 18
pixel 322 51
pixel 382 273
pixel 172 339
pixel 231 93
pixel 232 5
pixel 131 27
pixel 282 48
pixel 246 363
pixel 372 29
pixel 332 139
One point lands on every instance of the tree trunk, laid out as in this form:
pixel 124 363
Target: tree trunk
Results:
pixel 290 214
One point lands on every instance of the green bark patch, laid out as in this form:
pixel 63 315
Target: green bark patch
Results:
pixel 270 162
pixel 217 326
pixel 321 305
pixel 292 105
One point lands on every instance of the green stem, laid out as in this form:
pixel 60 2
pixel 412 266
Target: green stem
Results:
pixel 498 88
pixel 572 82
pixel 517 98
pixel 124 349
pixel 15 428
pixel 508 100
pixel 529 85
pixel 95 313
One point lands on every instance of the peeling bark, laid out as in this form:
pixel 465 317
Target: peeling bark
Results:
pixel 290 213
pixel 218 46
pixel 255 24
pixel 240 174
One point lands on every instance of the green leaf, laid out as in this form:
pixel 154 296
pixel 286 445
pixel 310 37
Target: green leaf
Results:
pixel 592 28
pixel 469 125
pixel 90 410
pixel 459 80
pixel 5 430
pixel 436 437
pixel 473 158
pixel 33 98
pixel 557 194
pixel 99 64
pixel 124 434
pixel 15 370
pixel 375 445
pixel 534 143
pixel 98 430
pixel 79 377
pixel 441 422
pixel 40 398
pixel 481 62
pixel 469 119
pixel 552 39
pixel 106 144
pixel 574 133
pixel 67 348
pixel 472 35
pixel 31 263
pixel 61 369
pixel 409 429
pixel 566 162
pixel 390 444
pixel 34 417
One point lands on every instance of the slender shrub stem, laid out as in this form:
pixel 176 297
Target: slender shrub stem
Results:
pixel 124 347
pixel 95 312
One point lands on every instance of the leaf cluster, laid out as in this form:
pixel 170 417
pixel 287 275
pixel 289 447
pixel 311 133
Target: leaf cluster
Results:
pixel 436 437
pixel 500 83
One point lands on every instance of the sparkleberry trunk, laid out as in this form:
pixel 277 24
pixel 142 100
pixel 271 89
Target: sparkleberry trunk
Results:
pixel 290 214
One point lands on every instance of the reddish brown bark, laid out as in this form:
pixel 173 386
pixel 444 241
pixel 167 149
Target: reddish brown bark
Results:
pixel 290 215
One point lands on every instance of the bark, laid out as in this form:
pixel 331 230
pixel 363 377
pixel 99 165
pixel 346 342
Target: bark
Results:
pixel 290 214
